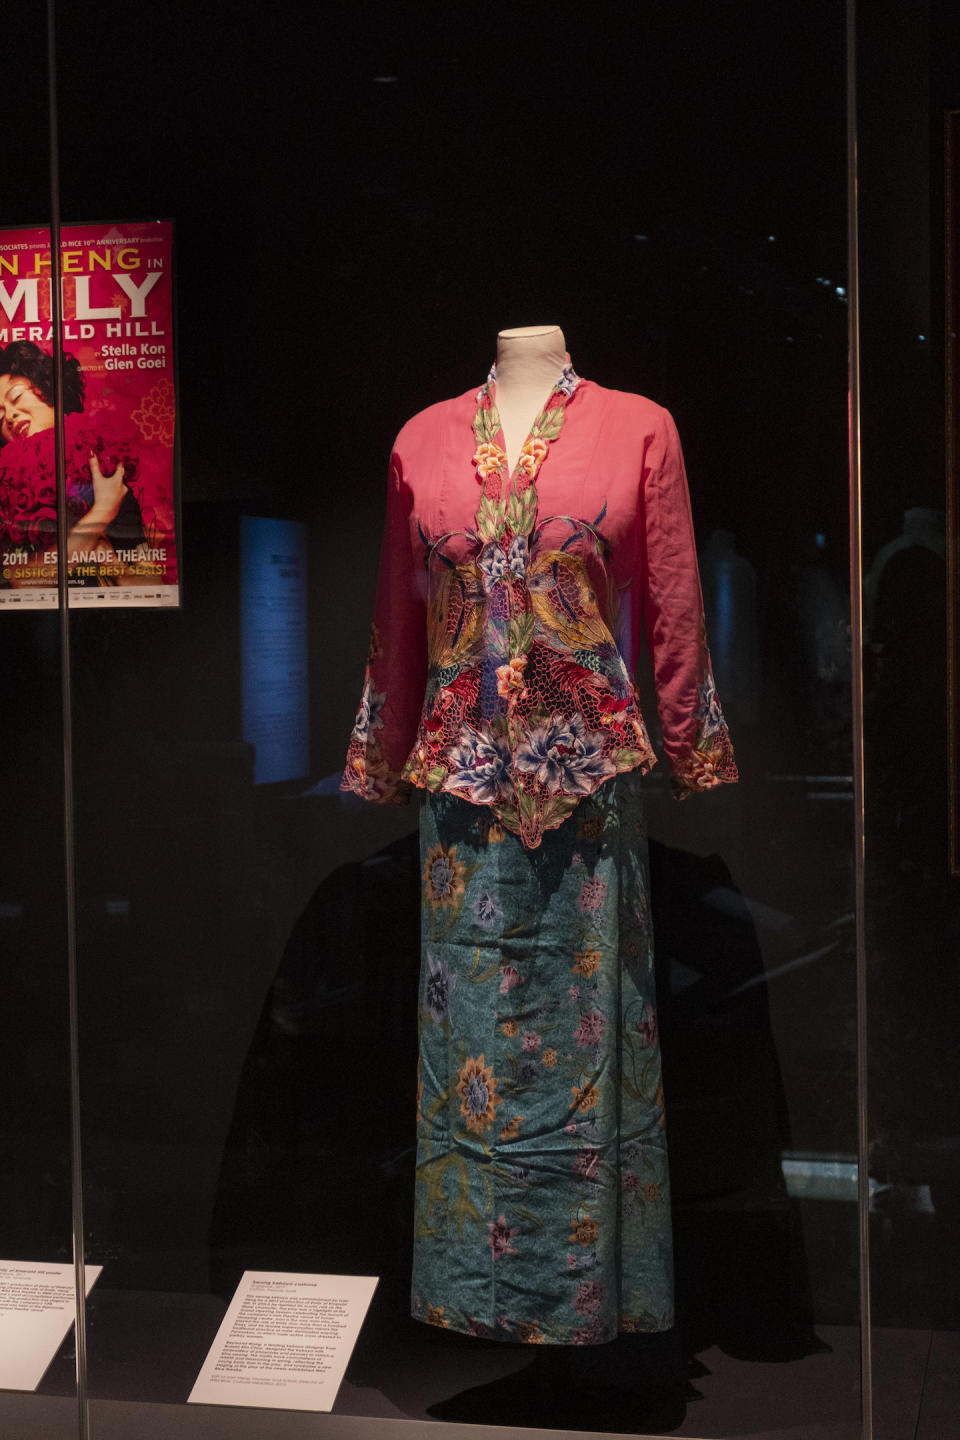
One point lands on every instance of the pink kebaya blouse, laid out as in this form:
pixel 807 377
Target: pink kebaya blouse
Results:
pixel 510 610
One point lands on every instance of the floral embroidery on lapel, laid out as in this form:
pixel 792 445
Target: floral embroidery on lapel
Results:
pixel 490 456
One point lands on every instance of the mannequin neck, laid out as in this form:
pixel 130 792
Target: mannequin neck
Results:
pixel 531 358
pixel 530 361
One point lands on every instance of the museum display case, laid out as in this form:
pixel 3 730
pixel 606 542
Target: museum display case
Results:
pixel 281 237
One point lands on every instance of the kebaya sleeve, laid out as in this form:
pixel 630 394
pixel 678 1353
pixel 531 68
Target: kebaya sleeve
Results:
pixel 395 679
pixel 695 737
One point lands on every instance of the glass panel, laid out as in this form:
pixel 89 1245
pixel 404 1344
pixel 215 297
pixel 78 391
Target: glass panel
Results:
pixel 907 81
pixel 37 1348
pixel 359 210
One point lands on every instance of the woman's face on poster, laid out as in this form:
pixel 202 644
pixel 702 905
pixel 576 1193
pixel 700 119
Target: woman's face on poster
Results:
pixel 23 411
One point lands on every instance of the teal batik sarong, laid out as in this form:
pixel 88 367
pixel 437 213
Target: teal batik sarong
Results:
pixel 542 1209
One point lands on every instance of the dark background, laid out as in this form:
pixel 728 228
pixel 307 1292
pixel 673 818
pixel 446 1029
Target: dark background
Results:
pixel 909 74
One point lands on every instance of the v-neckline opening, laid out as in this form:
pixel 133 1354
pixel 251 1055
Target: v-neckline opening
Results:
pixel 511 475
pixel 566 386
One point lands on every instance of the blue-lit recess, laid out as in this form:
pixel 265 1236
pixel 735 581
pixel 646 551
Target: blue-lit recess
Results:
pixel 723 623
pixel 273 638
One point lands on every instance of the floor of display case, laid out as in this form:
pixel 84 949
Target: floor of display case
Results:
pixel 917 1395
pixel 145 1350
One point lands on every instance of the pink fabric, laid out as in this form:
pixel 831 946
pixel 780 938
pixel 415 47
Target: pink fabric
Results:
pixel 616 464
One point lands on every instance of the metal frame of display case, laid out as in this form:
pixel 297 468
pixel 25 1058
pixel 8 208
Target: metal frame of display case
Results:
pixel 952 377
pixel 856 719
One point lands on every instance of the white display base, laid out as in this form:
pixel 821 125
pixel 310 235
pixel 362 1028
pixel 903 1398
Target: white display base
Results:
pixel 37 1308
pixel 285 1341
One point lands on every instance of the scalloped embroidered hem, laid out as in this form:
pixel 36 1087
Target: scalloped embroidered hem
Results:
pixel 384 787
pixel 709 765
pixel 543 812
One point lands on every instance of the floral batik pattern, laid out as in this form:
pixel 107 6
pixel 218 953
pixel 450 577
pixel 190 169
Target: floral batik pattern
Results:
pixel 530 705
pixel 711 761
pixel 542 1193
pixel 367 772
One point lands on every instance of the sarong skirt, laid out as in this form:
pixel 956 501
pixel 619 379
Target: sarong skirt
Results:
pixel 542 1190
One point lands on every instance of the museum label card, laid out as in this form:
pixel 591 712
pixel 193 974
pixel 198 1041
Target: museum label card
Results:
pixel 36 1310
pixel 285 1341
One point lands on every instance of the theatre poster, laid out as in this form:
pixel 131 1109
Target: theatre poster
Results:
pixel 119 408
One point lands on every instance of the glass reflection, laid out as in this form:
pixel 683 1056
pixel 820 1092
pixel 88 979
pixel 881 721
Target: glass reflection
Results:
pixel 913 916
pixel 350 245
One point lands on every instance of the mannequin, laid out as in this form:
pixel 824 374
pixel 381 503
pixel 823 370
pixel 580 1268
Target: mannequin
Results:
pixel 536 530
pixel 529 359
